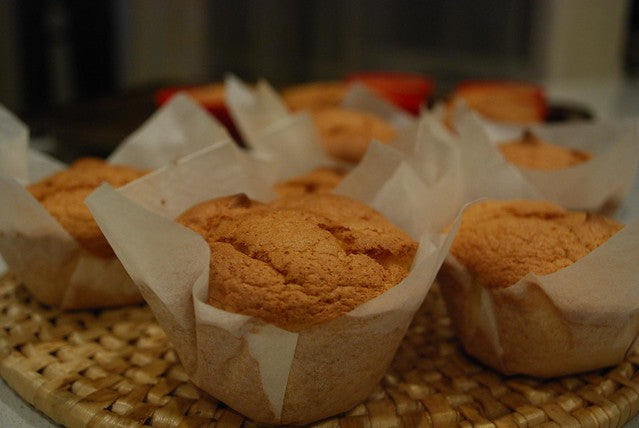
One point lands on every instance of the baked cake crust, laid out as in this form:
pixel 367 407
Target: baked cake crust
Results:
pixel 502 241
pixel 346 133
pixel 532 152
pixel 320 180
pixel 63 194
pixel 298 261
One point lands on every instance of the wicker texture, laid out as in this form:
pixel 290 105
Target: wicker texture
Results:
pixel 116 368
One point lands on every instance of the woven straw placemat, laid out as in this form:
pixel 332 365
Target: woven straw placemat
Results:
pixel 116 368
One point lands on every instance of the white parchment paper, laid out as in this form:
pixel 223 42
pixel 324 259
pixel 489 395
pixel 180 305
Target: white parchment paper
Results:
pixel 359 97
pixel 427 169
pixel 253 109
pixel 14 147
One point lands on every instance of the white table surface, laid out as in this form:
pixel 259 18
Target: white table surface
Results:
pixel 607 99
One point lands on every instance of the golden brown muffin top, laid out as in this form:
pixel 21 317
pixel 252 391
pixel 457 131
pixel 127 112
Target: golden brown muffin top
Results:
pixel 346 133
pixel 532 152
pixel 503 241
pixel 63 193
pixel 320 180
pixel 301 260
pixel 511 102
pixel 310 96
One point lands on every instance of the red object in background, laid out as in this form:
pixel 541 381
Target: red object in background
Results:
pixel 406 90
pixel 211 97
pixel 504 101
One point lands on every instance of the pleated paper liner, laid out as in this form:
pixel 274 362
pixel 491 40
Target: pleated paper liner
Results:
pixel 116 368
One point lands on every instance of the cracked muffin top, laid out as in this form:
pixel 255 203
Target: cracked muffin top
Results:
pixel 532 152
pixel 346 133
pixel 500 242
pixel 63 193
pixel 320 180
pixel 298 261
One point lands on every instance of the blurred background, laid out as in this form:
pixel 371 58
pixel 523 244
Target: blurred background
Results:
pixel 82 74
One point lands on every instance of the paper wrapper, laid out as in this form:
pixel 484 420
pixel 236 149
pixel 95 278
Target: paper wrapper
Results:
pixel 14 147
pixel 359 97
pixel 253 109
pixel 580 318
pixel 423 169
pixel 598 185
pixel 51 264
pixel 17 160
pixel 269 374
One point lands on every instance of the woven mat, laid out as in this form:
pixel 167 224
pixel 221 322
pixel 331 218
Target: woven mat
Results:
pixel 117 368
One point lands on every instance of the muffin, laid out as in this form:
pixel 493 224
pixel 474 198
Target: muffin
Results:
pixel 501 101
pixel 314 95
pixel 300 366
pixel 298 261
pixel 495 284
pixel 346 133
pixel 532 152
pixel 60 255
pixel 63 194
pixel 320 180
